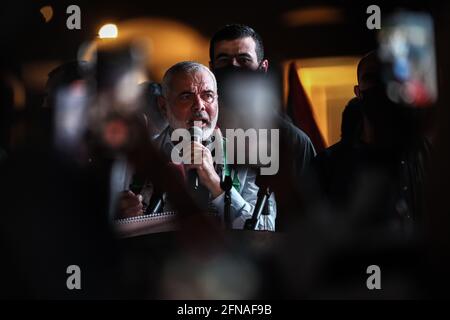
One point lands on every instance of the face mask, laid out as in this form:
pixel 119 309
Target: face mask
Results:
pixel 231 71
pixel 232 75
pixel 242 91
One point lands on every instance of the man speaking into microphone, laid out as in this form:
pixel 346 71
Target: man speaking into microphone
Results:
pixel 189 101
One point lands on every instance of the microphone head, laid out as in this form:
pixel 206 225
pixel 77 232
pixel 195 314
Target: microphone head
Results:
pixel 196 134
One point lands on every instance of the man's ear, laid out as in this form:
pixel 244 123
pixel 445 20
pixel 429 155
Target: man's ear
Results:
pixel 357 91
pixel 265 65
pixel 162 105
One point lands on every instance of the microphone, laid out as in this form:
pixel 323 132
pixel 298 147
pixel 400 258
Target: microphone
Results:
pixel 199 192
pixel 196 133
pixel 196 136
pixel 263 183
pixel 156 203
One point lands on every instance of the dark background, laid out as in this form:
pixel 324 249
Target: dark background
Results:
pixel 25 36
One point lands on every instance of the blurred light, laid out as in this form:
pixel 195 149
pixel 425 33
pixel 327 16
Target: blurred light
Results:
pixel 393 91
pixel 115 133
pixel 87 50
pixel 19 94
pixel 70 111
pixel 313 16
pixel 35 73
pixel 220 277
pixel 127 89
pixel 175 42
pixel 108 31
pixel 407 53
pixel 47 13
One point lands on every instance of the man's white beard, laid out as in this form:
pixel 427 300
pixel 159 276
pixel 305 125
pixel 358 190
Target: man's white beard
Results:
pixel 207 131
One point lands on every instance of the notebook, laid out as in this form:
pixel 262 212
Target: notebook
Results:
pixel 146 224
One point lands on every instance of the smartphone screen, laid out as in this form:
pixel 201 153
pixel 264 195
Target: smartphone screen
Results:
pixel 407 52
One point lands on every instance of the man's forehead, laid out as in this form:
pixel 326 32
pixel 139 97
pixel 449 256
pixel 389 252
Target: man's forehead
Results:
pixel 236 46
pixel 198 79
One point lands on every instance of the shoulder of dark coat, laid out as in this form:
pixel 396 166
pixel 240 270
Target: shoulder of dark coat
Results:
pixel 294 133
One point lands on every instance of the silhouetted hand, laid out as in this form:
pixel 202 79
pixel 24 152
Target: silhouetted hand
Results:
pixel 130 204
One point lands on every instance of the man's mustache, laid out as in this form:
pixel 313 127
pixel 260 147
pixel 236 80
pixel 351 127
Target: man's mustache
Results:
pixel 200 116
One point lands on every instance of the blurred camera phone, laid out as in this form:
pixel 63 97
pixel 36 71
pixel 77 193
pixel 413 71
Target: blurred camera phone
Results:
pixel 407 53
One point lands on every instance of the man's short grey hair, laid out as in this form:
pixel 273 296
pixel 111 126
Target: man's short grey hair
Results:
pixel 185 67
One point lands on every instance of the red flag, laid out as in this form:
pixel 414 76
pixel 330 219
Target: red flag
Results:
pixel 300 109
